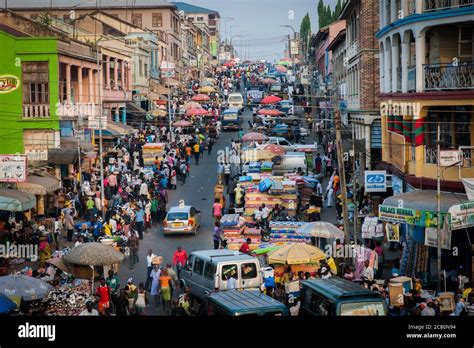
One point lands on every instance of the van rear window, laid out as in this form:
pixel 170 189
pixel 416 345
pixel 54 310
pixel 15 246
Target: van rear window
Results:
pixel 363 309
pixel 249 270
pixel 230 270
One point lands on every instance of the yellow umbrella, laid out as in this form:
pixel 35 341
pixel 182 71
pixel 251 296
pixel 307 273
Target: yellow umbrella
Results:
pixel 296 254
pixel 207 89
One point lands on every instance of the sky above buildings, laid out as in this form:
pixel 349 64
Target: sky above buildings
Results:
pixel 258 21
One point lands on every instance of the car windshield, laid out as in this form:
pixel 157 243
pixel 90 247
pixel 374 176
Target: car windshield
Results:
pixel 177 216
pixel 235 99
pixel 363 309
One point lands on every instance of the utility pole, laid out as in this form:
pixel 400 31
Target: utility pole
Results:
pixel 101 151
pixel 342 174
pixel 438 199
pixel 354 183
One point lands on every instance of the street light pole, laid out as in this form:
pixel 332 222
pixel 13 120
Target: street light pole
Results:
pixel 438 200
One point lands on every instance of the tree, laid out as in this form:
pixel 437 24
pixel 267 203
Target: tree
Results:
pixel 305 29
pixel 44 19
pixel 326 16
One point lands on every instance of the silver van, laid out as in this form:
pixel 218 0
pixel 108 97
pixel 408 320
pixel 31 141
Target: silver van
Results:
pixel 290 162
pixel 206 271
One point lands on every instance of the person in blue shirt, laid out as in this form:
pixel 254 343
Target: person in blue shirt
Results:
pixel 96 228
pixel 139 221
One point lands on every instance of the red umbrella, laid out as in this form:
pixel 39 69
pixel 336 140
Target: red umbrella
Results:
pixel 229 63
pixel 269 81
pixel 196 111
pixel 270 112
pixel 271 99
pixel 253 136
pixel 192 105
pixel 201 97
pixel 281 68
pixel 275 149
pixel 183 123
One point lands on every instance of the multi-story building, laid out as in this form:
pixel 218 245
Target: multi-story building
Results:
pixel 426 79
pixel 362 64
pixel 338 75
pixel 159 16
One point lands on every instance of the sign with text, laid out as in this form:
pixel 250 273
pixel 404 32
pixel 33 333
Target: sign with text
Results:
pixel 448 158
pixel 12 168
pixel 375 181
pixel 409 216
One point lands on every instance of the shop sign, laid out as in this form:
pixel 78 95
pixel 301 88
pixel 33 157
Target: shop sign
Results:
pixel 8 83
pixel 375 181
pixel 462 215
pixel 448 158
pixel 409 216
pixel 431 237
pixel 13 168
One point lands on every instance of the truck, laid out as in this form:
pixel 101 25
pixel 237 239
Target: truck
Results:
pixel 231 119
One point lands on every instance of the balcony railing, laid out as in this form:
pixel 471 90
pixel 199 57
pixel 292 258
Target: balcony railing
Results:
pixel 435 5
pixel 352 50
pixel 431 155
pixel 449 77
pixel 76 110
pixel 36 110
pixel 399 78
pixel 411 78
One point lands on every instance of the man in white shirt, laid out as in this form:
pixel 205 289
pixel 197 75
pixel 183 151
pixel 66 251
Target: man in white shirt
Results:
pixel 89 311
pixel 231 282
pixel 149 267
pixel 265 214
pixel 368 272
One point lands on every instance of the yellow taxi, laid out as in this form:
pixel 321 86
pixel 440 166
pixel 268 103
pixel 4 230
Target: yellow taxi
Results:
pixel 182 219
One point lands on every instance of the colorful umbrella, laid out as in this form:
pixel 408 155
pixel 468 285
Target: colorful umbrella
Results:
pixel 201 97
pixel 159 113
pixel 270 112
pixel 296 254
pixel 6 304
pixel 192 105
pixel 23 286
pixel 284 62
pixel 269 81
pixel 196 112
pixel 183 123
pixel 207 89
pixel 271 99
pixel 321 229
pixel 209 79
pixel 281 68
pixel 254 136
pixel 275 149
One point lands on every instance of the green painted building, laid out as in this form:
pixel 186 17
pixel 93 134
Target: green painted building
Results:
pixel 29 93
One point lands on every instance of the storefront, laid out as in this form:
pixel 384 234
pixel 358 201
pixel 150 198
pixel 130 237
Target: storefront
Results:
pixel 414 214
pixel 43 187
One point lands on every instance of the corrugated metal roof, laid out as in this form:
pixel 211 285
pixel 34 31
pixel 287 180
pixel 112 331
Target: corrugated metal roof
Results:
pixel 188 8
pixel 89 4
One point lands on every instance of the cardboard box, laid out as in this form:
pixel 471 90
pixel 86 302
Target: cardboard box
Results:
pixel 405 281
pixel 446 302
pixel 396 294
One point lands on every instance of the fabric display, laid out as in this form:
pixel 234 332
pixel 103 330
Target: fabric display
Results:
pixel 415 257
pixel 236 232
pixel 151 151
pixel 266 167
pixel 283 232
pixel 254 167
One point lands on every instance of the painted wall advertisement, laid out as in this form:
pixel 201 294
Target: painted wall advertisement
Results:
pixel 397 185
pixel 409 216
pixel 12 168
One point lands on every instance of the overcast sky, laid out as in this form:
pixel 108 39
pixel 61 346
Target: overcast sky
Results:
pixel 261 20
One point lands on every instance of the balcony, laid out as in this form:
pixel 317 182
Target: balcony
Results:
pixel 36 110
pixel 411 78
pixel 449 77
pixel 77 110
pixel 435 5
pixel 352 50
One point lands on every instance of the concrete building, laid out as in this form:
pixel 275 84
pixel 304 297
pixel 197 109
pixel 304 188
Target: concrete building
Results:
pixel 426 78
pixel 362 58
pixel 338 75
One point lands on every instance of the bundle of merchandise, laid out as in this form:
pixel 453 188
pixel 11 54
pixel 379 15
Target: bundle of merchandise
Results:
pixel 232 225
pixel 69 299
pixel 254 167
pixel 266 167
pixel 151 151
pixel 283 232
pixel 372 228
pixel 253 200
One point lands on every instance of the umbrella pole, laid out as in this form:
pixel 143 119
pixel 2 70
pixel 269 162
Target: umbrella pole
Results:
pixel 92 284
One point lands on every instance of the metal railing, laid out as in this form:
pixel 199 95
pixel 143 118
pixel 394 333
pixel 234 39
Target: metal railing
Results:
pixel 36 110
pixel 399 78
pixel 411 7
pixel 448 76
pixel 467 157
pixel 431 155
pixel 411 78
pixel 435 5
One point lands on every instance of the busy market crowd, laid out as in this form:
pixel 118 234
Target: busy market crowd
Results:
pixel 132 199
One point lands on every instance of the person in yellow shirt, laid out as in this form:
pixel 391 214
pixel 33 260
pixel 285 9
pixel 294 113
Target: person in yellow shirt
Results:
pixel 196 149
pixel 467 291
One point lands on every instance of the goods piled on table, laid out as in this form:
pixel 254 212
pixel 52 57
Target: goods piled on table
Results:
pixel 151 151
pixel 236 232
pixel 283 232
pixel 69 299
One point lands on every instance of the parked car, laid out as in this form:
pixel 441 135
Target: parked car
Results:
pixel 182 219
pixel 337 297
pixel 206 271
pixel 290 162
pixel 236 101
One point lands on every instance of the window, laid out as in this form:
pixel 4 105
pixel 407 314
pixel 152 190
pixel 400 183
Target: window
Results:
pixel 248 270
pixel 146 70
pixel 198 265
pixel 200 19
pixel 230 270
pixel 319 306
pixel 157 20
pixel 140 68
pixel 363 308
pixel 210 270
pixel 35 82
pixel 137 19
pixel 177 216
pixel 191 18
pixel 465 47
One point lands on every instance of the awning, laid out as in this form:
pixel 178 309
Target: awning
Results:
pixel 39 185
pixel 73 143
pixel 420 208
pixel 14 200
pixel 116 130
pixel 162 90
pixel 62 156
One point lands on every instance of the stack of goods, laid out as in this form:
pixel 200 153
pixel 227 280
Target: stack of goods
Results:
pixel 236 232
pixel 151 151
pixel 283 232
pixel 266 167
pixel 254 167
pixel 372 228
pixel 70 299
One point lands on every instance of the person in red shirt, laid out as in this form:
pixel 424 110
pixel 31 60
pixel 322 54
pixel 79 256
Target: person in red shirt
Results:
pixel 103 292
pixel 180 257
pixel 245 248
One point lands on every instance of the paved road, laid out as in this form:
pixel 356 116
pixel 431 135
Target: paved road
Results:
pixel 198 191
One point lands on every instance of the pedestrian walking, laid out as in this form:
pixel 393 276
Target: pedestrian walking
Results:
pixel 149 268
pixel 196 149
pixel 165 290
pixel 133 244
pixel 139 221
pixel 217 235
pixel 155 284
pixel 180 257
pixel 69 224
pixel 227 173
pixel 217 210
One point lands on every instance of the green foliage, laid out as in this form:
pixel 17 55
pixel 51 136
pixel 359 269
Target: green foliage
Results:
pixel 44 19
pixel 326 16
pixel 305 30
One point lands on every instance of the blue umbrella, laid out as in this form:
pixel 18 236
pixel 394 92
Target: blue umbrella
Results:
pixel 6 304
pixel 28 288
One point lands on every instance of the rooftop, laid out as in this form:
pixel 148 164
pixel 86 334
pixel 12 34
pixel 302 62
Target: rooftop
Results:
pixel 188 8
pixel 84 4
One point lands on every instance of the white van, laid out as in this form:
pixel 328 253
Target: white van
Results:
pixel 236 100
pixel 290 162
pixel 206 271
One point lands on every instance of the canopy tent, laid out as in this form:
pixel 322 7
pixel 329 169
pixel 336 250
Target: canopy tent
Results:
pixel 62 156
pixel 39 185
pixel 93 254
pixel 28 288
pixel 115 130
pixel 296 254
pixel 14 200
pixel 321 229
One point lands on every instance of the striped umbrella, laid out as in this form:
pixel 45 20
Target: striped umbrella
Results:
pixel 201 97
pixel 192 105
